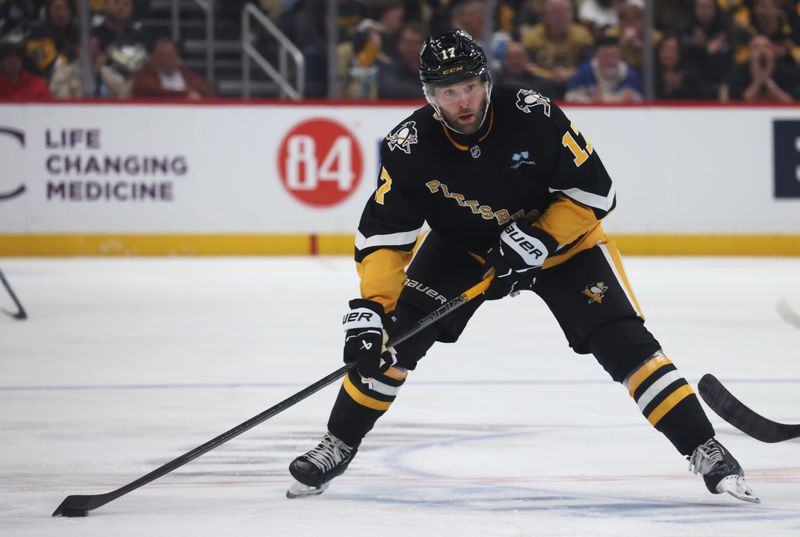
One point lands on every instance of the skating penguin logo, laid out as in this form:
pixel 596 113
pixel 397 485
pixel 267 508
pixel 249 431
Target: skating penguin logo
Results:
pixel 527 100
pixel 596 292
pixel 403 137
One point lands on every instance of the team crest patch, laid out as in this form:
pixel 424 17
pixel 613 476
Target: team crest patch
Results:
pixel 596 292
pixel 527 100
pixel 403 137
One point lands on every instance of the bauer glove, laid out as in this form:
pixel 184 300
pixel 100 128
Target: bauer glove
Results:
pixel 517 258
pixel 365 339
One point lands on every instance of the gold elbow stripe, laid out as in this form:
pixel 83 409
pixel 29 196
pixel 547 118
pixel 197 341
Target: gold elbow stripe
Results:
pixel 669 403
pixel 362 399
pixel 646 369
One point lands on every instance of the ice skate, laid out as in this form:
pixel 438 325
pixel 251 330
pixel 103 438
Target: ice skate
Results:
pixel 315 469
pixel 299 490
pixel 721 472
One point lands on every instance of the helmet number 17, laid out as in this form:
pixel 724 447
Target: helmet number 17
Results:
pixel 449 53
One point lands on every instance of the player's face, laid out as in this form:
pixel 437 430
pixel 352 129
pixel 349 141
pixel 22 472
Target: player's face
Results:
pixel 462 104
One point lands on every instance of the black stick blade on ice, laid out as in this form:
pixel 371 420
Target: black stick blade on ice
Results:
pixel 21 314
pixel 742 417
pixel 80 505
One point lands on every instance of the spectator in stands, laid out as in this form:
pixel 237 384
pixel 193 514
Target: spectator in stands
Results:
pixel 399 79
pixel 372 46
pixel 470 16
pixel 15 81
pixel 769 20
pixel 557 45
pixel 166 77
pixel 123 40
pixel 764 77
pixel 516 71
pixel 672 15
pixel 52 38
pixel 599 15
pixel 67 82
pixel 304 23
pixel 605 78
pixel 17 17
pixel 675 79
pixel 529 14
pixel 707 41
pixel 630 32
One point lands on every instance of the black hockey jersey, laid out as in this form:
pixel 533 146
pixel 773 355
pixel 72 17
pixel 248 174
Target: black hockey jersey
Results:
pixel 527 160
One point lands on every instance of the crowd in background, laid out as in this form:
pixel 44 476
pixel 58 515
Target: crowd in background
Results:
pixel 575 50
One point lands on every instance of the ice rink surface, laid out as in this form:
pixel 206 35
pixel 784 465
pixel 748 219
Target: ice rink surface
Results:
pixel 126 364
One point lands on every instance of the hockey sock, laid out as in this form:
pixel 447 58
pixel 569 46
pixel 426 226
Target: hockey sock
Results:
pixel 669 403
pixel 359 404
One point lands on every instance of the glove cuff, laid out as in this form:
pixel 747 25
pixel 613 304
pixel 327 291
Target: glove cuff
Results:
pixel 532 244
pixel 364 313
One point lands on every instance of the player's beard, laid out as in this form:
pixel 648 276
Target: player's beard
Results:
pixel 467 125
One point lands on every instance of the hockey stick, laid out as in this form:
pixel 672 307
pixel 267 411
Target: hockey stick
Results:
pixel 740 416
pixel 788 314
pixel 21 315
pixel 80 505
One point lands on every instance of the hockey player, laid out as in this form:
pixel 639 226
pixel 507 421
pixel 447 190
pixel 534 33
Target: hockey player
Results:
pixel 505 182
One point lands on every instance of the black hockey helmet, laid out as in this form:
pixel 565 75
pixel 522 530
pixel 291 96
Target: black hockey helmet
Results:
pixel 451 57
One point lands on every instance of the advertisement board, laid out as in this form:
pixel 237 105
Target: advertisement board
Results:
pixel 283 178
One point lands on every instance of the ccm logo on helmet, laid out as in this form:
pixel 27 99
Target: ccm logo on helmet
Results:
pixel 453 70
pixel 516 236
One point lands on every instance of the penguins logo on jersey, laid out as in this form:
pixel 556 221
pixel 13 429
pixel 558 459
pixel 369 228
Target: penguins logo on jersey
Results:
pixel 596 292
pixel 527 100
pixel 403 137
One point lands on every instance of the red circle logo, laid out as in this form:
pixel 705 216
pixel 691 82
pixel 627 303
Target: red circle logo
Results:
pixel 319 162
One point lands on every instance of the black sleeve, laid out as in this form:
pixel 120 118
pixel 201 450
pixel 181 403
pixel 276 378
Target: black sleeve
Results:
pixel 577 172
pixel 389 219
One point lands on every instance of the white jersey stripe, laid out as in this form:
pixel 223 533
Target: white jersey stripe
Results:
pixel 620 281
pixel 382 388
pixel 657 387
pixel 393 239
pixel 597 201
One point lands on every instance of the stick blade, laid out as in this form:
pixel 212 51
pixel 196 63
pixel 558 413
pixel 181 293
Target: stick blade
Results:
pixel 741 416
pixel 78 505
pixel 21 315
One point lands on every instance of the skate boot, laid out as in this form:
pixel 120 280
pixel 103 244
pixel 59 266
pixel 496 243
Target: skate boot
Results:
pixel 314 470
pixel 720 471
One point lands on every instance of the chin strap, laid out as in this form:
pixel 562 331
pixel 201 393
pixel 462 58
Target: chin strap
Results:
pixel 438 113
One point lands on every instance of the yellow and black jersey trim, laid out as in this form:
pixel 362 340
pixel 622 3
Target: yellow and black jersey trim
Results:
pixel 657 387
pixel 378 393
pixel 462 147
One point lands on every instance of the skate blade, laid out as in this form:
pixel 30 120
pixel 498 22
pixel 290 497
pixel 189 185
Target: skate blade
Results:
pixel 299 490
pixel 737 487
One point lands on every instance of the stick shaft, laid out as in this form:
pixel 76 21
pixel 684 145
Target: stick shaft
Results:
pixel 95 501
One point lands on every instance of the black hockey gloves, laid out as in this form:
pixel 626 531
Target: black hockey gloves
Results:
pixel 517 258
pixel 365 338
